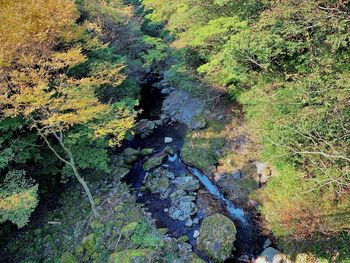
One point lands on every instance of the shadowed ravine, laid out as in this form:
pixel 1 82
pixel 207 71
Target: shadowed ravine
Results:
pixel 248 239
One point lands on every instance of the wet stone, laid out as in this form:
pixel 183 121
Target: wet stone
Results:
pixel 168 140
pixel 177 194
pixel 189 222
pixel 187 183
pixel 187 198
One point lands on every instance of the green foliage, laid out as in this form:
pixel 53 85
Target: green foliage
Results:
pixel 156 53
pixel 89 153
pixel 63 77
pixel 15 145
pixel 145 236
pixel 287 62
pixel 18 198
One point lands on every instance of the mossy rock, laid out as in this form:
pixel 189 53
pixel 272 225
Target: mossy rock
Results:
pixel 163 231
pixel 121 171
pixel 157 184
pixel 67 258
pixel 129 229
pixel 198 122
pixel 194 258
pixel 132 255
pixel 153 162
pixel 217 234
pixel 89 244
pixel 146 151
pixel 130 152
pixel 130 159
pixel 183 238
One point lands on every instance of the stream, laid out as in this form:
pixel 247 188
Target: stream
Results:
pixel 248 239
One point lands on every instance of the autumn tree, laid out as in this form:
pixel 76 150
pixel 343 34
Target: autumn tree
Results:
pixel 40 45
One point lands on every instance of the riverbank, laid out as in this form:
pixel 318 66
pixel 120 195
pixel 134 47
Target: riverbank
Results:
pixel 136 222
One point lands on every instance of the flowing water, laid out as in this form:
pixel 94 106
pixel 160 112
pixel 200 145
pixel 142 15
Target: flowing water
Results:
pixel 248 238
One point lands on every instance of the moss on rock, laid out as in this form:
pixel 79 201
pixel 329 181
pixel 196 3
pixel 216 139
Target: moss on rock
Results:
pixel 194 258
pixel 153 162
pixel 217 234
pixel 130 159
pixel 157 184
pixel 68 258
pixel 132 255
pixel 88 244
pixel 146 151
pixel 130 152
pixel 128 230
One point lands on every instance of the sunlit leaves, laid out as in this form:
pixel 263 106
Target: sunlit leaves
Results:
pixel 32 26
pixel 18 198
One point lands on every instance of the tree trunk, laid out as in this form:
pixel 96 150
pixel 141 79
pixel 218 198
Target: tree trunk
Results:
pixel 77 174
pixel 71 163
pixel 86 188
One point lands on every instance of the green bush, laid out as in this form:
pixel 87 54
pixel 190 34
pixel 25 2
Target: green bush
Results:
pixel 145 236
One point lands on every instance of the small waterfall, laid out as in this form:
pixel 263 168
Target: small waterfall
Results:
pixel 234 211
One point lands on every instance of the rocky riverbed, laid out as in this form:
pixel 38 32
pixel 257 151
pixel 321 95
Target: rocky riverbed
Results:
pixel 186 200
pixel 181 198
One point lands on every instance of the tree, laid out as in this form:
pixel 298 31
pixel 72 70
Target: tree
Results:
pixel 287 62
pixel 37 56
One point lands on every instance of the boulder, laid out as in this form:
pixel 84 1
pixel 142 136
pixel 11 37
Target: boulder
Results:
pixel 197 122
pixel 169 174
pixel 189 222
pixel 217 234
pixel 184 248
pixel 267 243
pixel 189 208
pixel 187 198
pixel 153 162
pixel 130 151
pixel 177 194
pixel 263 171
pixel 157 184
pixel 183 107
pixel 271 255
pixel 132 255
pixel 182 210
pixel 175 213
pixel 196 234
pixel 130 159
pixel 120 171
pixel 168 140
pixel 187 183
pixel 193 258
pixel 144 127
pixel 146 151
